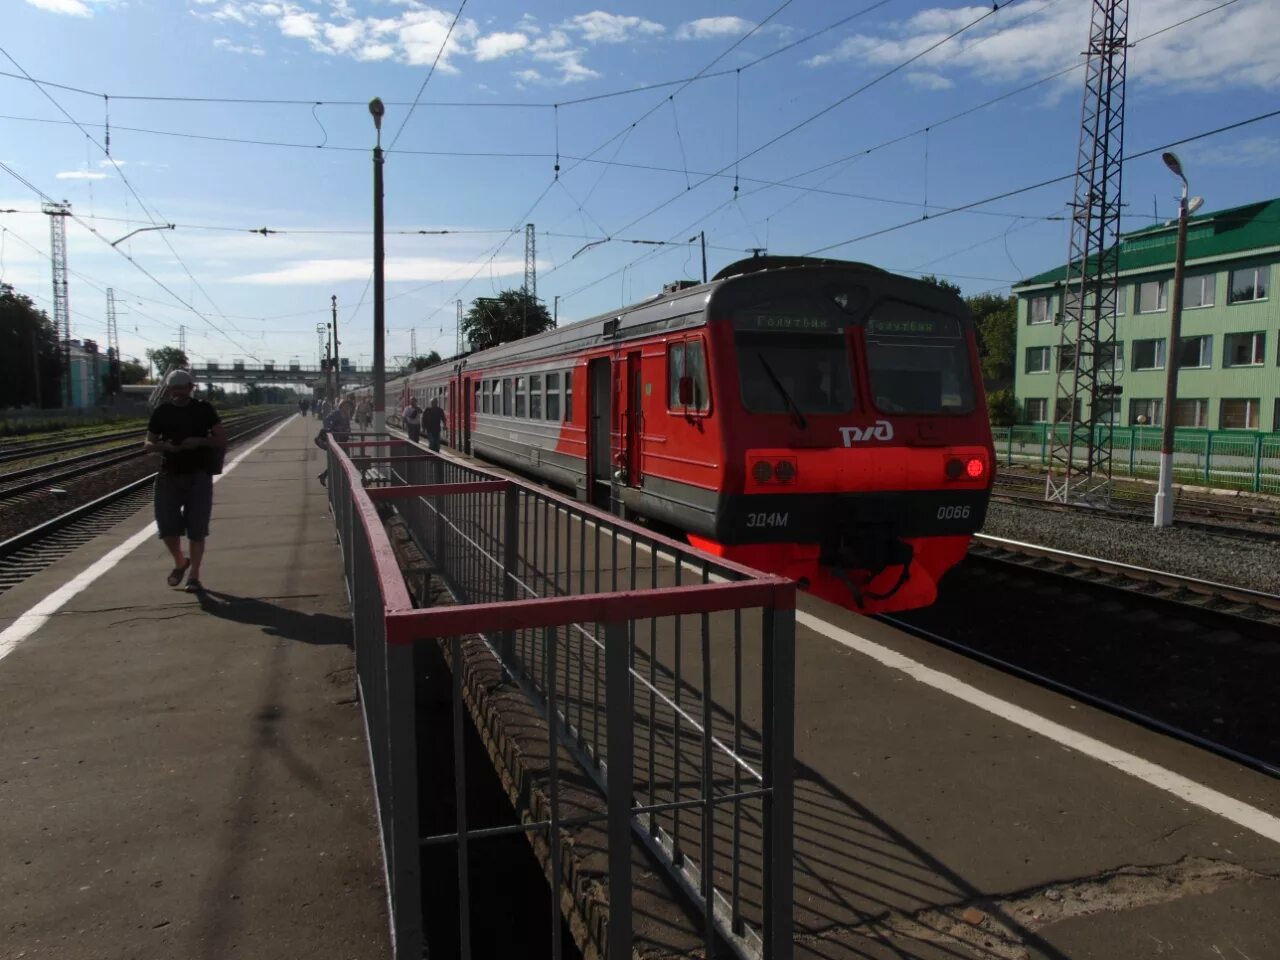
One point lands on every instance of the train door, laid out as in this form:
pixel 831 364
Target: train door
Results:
pixel 600 430
pixel 468 391
pixel 450 414
pixel 633 420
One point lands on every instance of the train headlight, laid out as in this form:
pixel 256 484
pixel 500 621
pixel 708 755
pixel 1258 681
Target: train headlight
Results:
pixel 955 468
pixel 762 472
pixel 784 471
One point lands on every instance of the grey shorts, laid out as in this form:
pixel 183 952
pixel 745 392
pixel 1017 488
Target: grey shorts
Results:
pixel 184 504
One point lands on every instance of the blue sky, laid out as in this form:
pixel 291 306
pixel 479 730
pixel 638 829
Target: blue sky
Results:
pixel 635 166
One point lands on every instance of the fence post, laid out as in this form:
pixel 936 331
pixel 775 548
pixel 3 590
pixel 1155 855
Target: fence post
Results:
pixel 619 747
pixel 1008 461
pixel 1208 455
pixel 778 641
pixel 510 557
pixel 1133 442
pixel 1257 462
pixel 402 834
pixel 1044 444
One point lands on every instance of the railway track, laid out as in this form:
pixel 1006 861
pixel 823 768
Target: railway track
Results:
pixel 39 546
pixel 1154 584
pixel 1222 518
pixel 10 453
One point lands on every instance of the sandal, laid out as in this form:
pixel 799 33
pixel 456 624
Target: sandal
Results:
pixel 175 575
pixel 195 586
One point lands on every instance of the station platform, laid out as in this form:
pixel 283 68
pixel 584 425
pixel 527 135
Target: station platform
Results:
pixel 186 776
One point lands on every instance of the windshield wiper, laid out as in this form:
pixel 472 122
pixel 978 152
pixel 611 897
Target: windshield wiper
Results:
pixel 786 397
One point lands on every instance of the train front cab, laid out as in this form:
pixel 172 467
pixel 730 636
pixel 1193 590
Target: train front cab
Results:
pixel 857 446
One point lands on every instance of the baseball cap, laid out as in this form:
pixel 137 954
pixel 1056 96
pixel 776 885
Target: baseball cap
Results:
pixel 180 378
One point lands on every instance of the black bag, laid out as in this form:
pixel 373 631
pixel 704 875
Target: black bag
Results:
pixel 215 458
pixel 322 439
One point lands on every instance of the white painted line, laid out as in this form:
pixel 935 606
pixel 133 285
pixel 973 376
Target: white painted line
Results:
pixel 28 623
pixel 1241 814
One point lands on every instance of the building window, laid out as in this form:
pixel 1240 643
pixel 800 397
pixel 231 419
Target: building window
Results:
pixel 1067 357
pixel 521 398
pixel 1036 409
pixel 1275 417
pixel 1121 296
pixel 1037 359
pixel 1244 350
pixel 685 359
pixel 1151 296
pixel 1146 413
pixel 553 397
pixel 1239 414
pixel 535 396
pixel 1111 357
pixel 1198 291
pixel 1195 352
pixel 1191 413
pixel 1106 411
pixel 1038 310
pixel 1148 354
pixel 1248 284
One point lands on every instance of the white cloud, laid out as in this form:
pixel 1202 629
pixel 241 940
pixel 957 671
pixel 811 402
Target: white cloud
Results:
pixel 376 51
pixel 929 81
pixel 223 43
pixel 346 37
pixel 72 8
pixel 528 76
pixel 711 27
pixel 497 45
pixel 301 24
pixel 556 48
pixel 79 175
pixel 600 27
pixel 1235 47
pixel 423 32
pixel 1250 152
pixel 398 269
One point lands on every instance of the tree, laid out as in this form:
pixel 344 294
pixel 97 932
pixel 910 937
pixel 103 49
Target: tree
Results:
pixel 132 371
pixel 996 322
pixel 430 360
pixel 511 315
pixel 167 358
pixel 1002 408
pixel 30 362
pixel 944 284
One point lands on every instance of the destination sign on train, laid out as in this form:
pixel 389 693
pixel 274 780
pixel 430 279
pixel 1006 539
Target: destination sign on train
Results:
pixel 916 324
pixel 787 323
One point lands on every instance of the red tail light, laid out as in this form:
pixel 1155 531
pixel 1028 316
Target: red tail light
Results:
pixel 965 468
pixel 975 469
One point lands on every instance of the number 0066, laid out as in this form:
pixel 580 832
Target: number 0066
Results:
pixel 953 513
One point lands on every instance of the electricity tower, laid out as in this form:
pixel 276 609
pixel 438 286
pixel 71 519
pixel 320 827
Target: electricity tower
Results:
pixel 58 213
pixel 1086 401
pixel 530 263
pixel 457 333
pixel 113 343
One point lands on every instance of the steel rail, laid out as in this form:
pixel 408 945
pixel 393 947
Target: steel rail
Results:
pixel 1093 700
pixel 35 534
pixel 1205 588
pixel 9 453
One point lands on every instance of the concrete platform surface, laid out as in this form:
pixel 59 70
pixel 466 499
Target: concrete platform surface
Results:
pixel 185 776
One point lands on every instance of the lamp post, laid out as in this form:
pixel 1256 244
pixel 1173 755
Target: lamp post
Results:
pixel 337 363
pixel 1164 493
pixel 376 109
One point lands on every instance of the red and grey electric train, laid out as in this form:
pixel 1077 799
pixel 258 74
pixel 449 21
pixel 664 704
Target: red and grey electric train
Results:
pixel 819 419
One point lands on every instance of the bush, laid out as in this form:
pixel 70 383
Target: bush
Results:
pixel 1002 408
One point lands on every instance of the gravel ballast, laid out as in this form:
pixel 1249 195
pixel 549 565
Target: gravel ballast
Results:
pixel 1192 553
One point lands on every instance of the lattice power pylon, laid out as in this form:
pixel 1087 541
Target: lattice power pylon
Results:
pixel 58 213
pixel 113 344
pixel 1085 402
pixel 530 263
pixel 458 338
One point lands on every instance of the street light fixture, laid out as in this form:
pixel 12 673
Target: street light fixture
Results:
pixel 1164 492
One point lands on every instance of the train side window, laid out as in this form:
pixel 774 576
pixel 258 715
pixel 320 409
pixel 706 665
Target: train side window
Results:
pixel 535 396
pixel 521 401
pixel 475 396
pixel 568 396
pixel 553 396
pixel 495 402
pixel 506 396
pixel 687 362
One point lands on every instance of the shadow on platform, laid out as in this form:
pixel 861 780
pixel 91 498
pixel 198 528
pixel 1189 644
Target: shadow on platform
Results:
pixel 320 629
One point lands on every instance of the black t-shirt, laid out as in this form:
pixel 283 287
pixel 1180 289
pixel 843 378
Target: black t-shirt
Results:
pixel 433 419
pixel 174 424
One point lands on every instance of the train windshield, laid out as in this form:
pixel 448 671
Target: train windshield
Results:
pixel 792 360
pixel 917 360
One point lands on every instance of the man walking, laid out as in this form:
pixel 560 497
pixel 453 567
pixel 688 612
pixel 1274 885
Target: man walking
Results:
pixel 412 418
pixel 191 438
pixel 433 421
pixel 338 424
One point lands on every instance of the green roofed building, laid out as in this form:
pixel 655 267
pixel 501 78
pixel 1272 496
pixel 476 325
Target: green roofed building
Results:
pixel 1229 349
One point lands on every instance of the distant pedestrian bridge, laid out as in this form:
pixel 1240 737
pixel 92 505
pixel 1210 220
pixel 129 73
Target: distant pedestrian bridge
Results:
pixel 236 372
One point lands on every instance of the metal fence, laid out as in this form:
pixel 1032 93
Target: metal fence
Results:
pixel 647 690
pixel 1228 459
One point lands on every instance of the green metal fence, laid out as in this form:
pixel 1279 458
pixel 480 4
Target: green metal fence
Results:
pixel 1230 459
